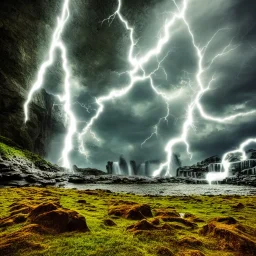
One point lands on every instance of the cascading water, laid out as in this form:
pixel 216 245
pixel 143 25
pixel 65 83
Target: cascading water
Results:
pixel 116 168
pixel 142 169
pixel 130 171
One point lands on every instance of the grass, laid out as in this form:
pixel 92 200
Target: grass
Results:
pixel 110 241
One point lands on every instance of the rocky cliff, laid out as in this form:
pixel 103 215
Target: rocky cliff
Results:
pixel 25 33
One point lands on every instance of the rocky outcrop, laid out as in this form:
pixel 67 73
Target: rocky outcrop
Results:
pixel 25 29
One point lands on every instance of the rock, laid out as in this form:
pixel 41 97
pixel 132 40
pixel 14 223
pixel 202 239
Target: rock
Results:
pixel 87 171
pixel 131 211
pixel 228 231
pixel 109 222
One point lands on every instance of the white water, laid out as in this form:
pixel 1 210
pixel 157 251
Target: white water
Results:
pixel 116 168
pixel 130 172
pixel 142 169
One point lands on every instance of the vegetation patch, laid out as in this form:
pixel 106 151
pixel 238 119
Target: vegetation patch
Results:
pixel 35 221
pixel 10 150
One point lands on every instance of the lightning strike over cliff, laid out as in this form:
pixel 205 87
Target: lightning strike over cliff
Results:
pixel 138 65
pixel 66 97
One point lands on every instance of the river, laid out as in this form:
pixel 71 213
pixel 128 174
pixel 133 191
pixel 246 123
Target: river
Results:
pixel 170 189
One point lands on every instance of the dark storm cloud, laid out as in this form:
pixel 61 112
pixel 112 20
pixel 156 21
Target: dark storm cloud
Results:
pixel 99 50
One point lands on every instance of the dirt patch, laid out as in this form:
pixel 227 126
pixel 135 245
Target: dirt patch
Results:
pixel 190 241
pixel 239 206
pixel 144 225
pixel 231 235
pixel 166 213
pixel 58 220
pixel 164 251
pixel 22 239
pixel 191 253
pixel 185 222
pixel 131 211
pixel 109 222
pixel 155 221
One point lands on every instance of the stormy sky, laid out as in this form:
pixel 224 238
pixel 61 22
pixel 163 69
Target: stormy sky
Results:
pixel 98 54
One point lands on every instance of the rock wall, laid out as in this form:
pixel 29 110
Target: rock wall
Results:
pixel 25 34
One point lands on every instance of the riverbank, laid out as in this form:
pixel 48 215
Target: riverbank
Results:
pixel 55 221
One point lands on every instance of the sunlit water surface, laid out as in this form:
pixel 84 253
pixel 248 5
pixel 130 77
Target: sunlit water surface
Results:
pixel 170 189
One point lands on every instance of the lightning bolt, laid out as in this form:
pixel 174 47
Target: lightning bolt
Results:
pixel 66 97
pixel 138 65
pixel 196 104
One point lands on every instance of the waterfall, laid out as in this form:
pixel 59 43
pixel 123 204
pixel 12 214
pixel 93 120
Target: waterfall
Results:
pixel 130 171
pixel 116 168
pixel 142 169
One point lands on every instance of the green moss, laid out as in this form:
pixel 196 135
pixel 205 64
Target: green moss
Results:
pixel 110 241
pixel 11 150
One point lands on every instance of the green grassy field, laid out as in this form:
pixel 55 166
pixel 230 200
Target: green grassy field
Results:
pixel 104 240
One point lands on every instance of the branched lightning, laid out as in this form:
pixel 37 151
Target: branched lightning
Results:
pixel 138 73
pixel 203 88
pixel 66 97
pixel 138 65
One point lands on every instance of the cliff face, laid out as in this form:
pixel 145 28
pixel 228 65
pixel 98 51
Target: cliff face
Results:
pixel 25 34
